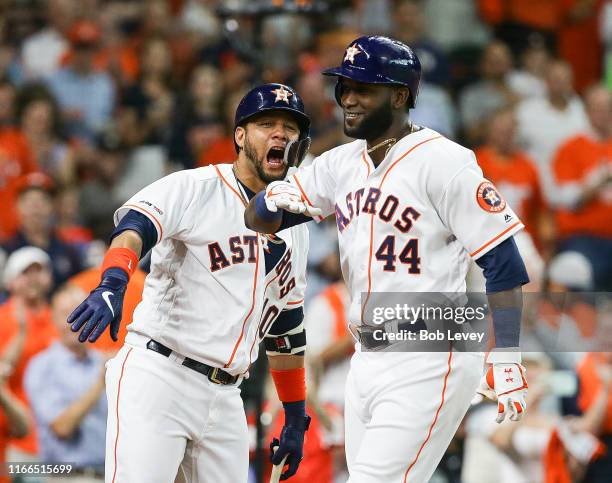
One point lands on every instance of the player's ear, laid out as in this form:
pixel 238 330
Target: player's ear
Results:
pixel 239 136
pixel 400 97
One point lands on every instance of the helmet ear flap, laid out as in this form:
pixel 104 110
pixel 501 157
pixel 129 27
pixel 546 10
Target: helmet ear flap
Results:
pixel 338 91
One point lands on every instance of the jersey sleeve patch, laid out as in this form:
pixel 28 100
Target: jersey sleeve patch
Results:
pixel 489 198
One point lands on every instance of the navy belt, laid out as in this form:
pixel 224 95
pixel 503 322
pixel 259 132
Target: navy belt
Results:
pixel 214 374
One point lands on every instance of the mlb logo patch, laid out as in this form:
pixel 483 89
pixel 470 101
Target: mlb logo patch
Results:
pixel 489 199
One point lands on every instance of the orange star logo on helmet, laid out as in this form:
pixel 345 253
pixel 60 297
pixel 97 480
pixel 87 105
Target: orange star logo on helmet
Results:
pixel 351 52
pixel 282 94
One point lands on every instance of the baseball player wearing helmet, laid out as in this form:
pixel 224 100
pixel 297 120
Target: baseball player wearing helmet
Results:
pixel 216 290
pixel 411 208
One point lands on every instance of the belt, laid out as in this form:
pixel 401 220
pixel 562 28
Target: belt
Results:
pixel 214 374
pixel 365 333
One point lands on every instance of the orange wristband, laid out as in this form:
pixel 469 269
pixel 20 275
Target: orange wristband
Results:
pixel 290 384
pixel 123 258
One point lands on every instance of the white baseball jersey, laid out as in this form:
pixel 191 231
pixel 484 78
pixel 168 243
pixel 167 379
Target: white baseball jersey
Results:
pixel 412 223
pixel 209 295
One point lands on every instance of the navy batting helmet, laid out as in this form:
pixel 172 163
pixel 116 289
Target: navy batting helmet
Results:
pixel 272 97
pixel 379 60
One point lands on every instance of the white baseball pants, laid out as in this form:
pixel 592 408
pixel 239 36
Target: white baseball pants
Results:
pixel 169 423
pixel 403 409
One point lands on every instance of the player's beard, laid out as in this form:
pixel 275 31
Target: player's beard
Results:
pixel 258 161
pixel 374 124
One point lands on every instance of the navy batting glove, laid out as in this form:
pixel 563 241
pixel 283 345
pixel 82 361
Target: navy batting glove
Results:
pixel 102 307
pixel 291 438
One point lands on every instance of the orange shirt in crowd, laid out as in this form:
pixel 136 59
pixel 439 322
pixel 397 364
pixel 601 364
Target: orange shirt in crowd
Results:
pixel 15 160
pixel 221 151
pixel 334 294
pixel 41 332
pixel 579 43
pixel 574 161
pixel 590 385
pixel 89 279
pixel 122 59
pixel 4 441
pixel 517 179
pixel 538 14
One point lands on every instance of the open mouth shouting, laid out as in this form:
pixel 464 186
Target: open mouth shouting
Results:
pixel 274 158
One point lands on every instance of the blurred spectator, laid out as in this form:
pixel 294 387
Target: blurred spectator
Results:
pixel 14 419
pixel 410 28
pixel 90 279
pixel 85 96
pixel 42 52
pixel 220 149
pixel 325 131
pixel 370 16
pixel 65 384
pixel 8 96
pixel 198 17
pixel 26 314
pixel 198 122
pixel 595 379
pixel 453 35
pixel 15 158
pixel 284 39
pixel 514 173
pixel 583 172
pixel 545 123
pixel 435 110
pixel 152 96
pixel 529 79
pixel 118 52
pixel 36 217
pixel 579 40
pixel 40 122
pixel 479 100
pixel 566 320
pixel 68 224
pixel 330 344
pixel 14 422
pixel 323 259
pixel 606 35
pixel 98 198
pixel 570 271
pixel 515 20
pixel 205 92
pixel 144 165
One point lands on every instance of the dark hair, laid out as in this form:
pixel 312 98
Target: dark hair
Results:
pixel 35 92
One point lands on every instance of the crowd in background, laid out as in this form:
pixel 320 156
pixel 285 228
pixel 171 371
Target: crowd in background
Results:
pixel 100 98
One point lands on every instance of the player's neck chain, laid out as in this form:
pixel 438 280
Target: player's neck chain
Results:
pixel 410 128
pixel 387 142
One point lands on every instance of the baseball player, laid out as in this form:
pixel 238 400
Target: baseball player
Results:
pixel 411 208
pixel 216 290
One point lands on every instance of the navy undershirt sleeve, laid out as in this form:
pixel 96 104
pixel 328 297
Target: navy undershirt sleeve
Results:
pixel 504 270
pixel 136 221
pixel 503 267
